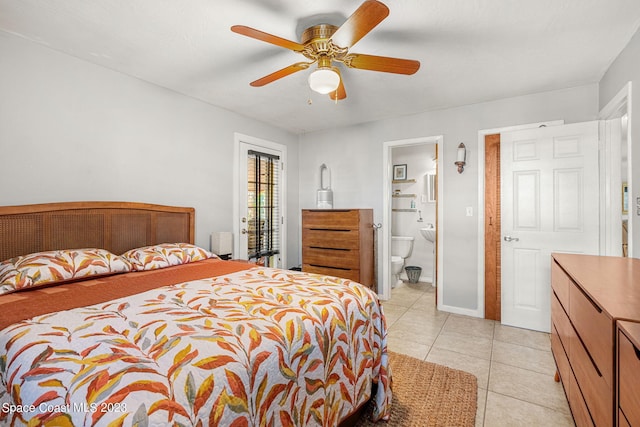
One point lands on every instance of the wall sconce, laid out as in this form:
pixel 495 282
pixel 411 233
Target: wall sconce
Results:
pixel 461 157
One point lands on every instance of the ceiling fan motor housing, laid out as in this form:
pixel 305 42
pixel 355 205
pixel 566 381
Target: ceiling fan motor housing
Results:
pixel 321 31
pixel 317 43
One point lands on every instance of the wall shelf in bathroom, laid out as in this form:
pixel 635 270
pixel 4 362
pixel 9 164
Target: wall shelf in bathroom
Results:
pixel 404 210
pixel 404 195
pixel 403 181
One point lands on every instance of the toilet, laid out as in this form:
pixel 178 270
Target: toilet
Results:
pixel 401 247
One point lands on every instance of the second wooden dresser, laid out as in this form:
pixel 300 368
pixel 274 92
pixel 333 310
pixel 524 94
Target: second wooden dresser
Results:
pixel 339 242
pixel 628 361
pixel 591 295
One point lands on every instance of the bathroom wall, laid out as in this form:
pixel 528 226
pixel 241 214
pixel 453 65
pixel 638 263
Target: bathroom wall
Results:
pixel 420 160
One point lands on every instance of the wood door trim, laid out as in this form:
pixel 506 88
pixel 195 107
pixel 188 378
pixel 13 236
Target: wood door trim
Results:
pixel 492 262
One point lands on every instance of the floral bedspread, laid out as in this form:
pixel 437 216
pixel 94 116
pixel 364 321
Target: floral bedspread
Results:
pixel 260 347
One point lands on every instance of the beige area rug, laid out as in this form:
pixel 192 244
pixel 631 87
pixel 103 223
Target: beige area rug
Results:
pixel 426 394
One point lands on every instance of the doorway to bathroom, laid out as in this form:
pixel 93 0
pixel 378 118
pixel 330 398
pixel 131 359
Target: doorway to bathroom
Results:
pixel 410 202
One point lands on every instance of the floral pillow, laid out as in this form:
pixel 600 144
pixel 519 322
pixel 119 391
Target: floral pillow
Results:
pixel 165 255
pixel 42 268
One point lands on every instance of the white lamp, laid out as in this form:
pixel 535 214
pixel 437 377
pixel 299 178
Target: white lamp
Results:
pixel 222 243
pixel 324 80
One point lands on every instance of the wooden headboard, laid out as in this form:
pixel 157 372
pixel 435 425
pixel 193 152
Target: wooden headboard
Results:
pixel 115 226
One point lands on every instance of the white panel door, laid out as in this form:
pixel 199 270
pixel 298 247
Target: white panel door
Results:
pixel 549 203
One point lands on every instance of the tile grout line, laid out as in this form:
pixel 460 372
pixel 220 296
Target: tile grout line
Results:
pixel 486 395
pixel 531 403
pixel 493 353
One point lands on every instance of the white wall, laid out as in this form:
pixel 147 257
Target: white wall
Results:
pixel 71 130
pixel 355 155
pixel 626 68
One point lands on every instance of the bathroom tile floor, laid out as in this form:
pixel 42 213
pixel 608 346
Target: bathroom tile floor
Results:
pixel 514 367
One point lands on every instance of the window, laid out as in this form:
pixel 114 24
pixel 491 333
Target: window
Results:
pixel 263 209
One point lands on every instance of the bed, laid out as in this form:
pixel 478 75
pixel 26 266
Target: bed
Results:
pixel 165 333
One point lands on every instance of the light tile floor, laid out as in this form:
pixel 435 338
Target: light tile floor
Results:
pixel 514 367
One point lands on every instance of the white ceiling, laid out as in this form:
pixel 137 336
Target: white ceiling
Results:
pixel 470 50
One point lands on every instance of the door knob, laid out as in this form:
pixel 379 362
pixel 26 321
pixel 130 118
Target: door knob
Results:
pixel 510 239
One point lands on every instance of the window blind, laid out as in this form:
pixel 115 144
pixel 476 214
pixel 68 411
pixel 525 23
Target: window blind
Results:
pixel 263 205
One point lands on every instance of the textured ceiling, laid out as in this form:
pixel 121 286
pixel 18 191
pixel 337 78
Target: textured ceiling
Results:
pixel 470 50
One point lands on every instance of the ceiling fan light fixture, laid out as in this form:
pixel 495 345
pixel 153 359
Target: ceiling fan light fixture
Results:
pixel 324 80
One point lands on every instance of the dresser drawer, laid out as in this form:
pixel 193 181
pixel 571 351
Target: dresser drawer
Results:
pixel 562 360
pixel 337 272
pixel 595 328
pixel 349 259
pixel 596 392
pixel 629 377
pixel 560 283
pixel 331 219
pixel 338 239
pixel 577 404
pixel 561 322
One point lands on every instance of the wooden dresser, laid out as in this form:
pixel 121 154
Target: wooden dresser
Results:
pixel 339 242
pixel 591 295
pixel 628 358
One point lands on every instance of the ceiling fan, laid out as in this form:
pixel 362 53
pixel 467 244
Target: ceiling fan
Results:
pixel 326 44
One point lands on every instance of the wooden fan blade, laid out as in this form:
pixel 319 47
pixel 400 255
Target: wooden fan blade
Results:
pixel 382 63
pixel 339 93
pixel 299 66
pixel 364 19
pixel 266 37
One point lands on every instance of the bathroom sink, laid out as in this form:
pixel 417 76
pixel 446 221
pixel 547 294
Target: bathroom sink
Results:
pixel 429 233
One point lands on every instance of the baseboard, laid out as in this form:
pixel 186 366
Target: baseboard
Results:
pixel 460 310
